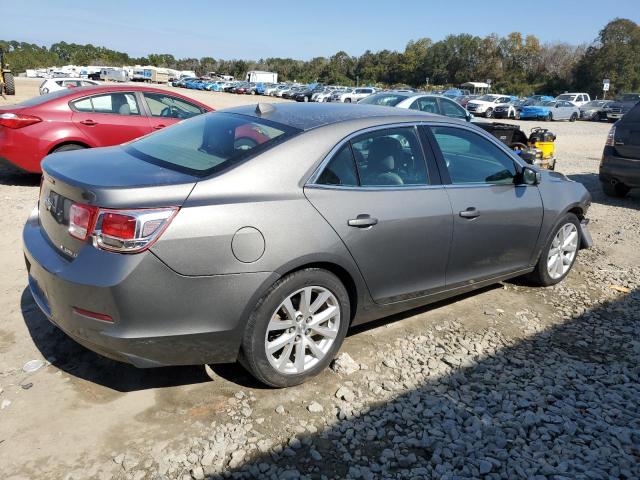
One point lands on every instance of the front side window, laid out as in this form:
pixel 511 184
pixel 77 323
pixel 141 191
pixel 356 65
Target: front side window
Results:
pixel 167 106
pixel 209 143
pixel 426 104
pixel 452 109
pixel 119 103
pixel 390 157
pixel 471 158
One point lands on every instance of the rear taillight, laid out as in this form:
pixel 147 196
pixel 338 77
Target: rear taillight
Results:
pixel 17 120
pixel 81 220
pixel 125 231
pixel 611 138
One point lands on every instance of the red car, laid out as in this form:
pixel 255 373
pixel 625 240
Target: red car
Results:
pixel 87 117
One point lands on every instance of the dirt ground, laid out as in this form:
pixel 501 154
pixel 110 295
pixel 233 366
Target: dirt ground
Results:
pixel 77 413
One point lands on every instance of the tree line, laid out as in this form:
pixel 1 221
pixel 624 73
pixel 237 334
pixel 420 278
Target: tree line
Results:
pixel 515 63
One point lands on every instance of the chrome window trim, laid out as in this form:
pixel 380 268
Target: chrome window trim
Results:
pixel 311 181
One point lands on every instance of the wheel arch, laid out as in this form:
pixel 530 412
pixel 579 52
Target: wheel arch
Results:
pixel 354 290
pixel 67 142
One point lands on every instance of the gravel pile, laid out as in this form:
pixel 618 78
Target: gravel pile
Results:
pixel 559 403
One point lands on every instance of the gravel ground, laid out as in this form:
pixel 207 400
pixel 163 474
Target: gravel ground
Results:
pixel 510 382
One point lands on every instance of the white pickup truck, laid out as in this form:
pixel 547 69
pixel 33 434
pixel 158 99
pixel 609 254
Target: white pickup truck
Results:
pixel 578 99
pixel 485 105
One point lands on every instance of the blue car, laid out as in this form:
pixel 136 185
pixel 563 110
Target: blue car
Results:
pixel 554 110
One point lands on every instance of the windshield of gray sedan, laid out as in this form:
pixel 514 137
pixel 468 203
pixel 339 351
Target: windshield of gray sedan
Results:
pixel 384 99
pixel 209 143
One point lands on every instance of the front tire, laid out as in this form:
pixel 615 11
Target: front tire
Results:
pixel 347 100
pixel 549 117
pixel 574 117
pixel 559 254
pixel 297 328
pixel 489 113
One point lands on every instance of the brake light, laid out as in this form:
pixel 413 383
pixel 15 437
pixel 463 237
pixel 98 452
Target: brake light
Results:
pixel 125 231
pixel 118 225
pixel 17 120
pixel 81 220
pixel 611 137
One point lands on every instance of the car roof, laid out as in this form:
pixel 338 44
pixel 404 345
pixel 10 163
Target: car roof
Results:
pixel 77 92
pixel 306 116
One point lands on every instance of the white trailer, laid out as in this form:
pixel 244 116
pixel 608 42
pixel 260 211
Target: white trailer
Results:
pixel 114 75
pixel 257 76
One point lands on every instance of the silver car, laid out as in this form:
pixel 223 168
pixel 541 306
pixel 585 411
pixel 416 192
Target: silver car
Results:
pixel 261 234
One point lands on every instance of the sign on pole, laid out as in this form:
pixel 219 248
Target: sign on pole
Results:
pixel 605 87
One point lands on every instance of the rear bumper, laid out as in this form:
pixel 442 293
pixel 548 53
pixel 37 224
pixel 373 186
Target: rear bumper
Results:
pixel 159 317
pixel 17 150
pixel 619 169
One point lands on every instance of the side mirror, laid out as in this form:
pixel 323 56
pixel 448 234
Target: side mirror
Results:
pixel 530 176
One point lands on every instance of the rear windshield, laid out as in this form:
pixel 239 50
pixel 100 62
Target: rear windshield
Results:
pixel 35 101
pixel 209 143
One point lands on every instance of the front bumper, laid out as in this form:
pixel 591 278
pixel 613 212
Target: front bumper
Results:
pixel 160 317
pixel 585 235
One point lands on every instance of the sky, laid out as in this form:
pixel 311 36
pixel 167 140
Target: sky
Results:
pixel 301 29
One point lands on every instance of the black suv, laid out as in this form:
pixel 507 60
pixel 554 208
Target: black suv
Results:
pixel 620 164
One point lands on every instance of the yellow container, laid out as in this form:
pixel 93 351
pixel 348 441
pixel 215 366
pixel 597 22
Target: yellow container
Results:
pixel 547 148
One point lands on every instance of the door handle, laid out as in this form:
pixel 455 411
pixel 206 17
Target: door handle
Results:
pixel 362 221
pixel 158 127
pixel 471 212
pixel 88 123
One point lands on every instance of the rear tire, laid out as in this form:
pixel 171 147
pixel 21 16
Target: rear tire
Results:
pixel 619 190
pixel 347 100
pixel 574 117
pixel 9 84
pixel 272 368
pixel 541 276
pixel 68 148
pixel 517 115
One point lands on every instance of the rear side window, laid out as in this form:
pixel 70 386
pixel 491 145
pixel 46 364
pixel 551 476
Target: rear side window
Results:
pixel 390 157
pixel 341 170
pixel 471 158
pixel 209 143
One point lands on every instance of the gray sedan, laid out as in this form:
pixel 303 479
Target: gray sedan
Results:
pixel 261 234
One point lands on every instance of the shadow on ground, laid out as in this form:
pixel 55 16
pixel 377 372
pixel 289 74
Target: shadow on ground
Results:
pixel 562 404
pixel 72 358
pixel 592 183
pixel 13 176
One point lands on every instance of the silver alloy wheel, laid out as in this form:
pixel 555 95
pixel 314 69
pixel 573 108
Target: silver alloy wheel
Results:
pixel 563 251
pixel 302 330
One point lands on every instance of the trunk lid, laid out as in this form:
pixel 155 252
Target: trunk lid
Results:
pixel 103 177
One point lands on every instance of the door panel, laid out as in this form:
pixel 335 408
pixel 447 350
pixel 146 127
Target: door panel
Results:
pixel 501 238
pixel 495 221
pixel 404 255
pixel 110 119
